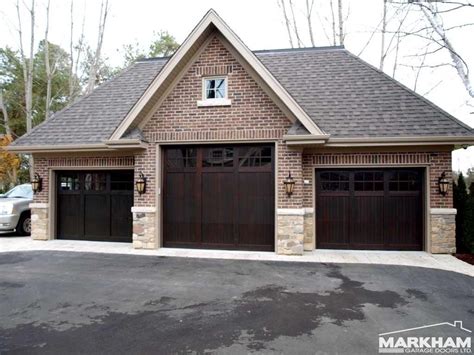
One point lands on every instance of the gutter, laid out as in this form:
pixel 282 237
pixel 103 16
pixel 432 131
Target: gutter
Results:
pixel 381 141
pixel 125 144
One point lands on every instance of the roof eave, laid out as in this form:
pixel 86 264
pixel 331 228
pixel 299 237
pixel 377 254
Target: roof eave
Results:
pixel 67 148
pixel 327 141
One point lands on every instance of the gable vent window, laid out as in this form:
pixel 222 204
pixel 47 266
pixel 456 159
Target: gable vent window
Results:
pixel 214 92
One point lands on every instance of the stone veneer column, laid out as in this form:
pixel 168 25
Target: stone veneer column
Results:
pixel 39 221
pixel 443 230
pixel 309 242
pixel 290 231
pixel 145 235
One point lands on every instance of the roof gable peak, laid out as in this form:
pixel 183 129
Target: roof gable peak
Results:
pixel 209 24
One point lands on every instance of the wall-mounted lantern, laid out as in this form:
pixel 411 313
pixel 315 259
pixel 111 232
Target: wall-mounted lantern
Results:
pixel 140 184
pixel 36 183
pixel 289 183
pixel 443 184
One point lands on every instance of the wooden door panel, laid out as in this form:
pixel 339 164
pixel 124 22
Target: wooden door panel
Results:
pixel 181 208
pixel 69 216
pixel 369 209
pixel 217 221
pixel 121 218
pixel 95 205
pixel 219 197
pixel 367 229
pixel 96 216
pixel 332 226
pixel 256 211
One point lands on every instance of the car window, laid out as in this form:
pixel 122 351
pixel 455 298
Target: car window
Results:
pixel 23 191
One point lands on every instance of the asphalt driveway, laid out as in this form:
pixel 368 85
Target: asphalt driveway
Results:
pixel 59 302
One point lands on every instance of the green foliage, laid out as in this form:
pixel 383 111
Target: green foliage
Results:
pixel 459 200
pixel 468 226
pixel 163 45
pixel 12 84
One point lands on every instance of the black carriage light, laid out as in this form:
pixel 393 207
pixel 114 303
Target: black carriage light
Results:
pixel 36 183
pixel 289 183
pixel 140 184
pixel 443 183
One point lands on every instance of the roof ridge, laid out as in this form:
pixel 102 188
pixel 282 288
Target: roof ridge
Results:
pixel 302 49
pixel 262 51
pixel 412 92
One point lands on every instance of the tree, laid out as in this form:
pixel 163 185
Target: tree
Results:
pixel 468 227
pixel 440 37
pixel 94 66
pixel 9 163
pixel 459 199
pixel 162 45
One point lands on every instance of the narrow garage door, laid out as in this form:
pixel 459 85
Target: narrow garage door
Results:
pixel 95 205
pixel 369 209
pixel 219 197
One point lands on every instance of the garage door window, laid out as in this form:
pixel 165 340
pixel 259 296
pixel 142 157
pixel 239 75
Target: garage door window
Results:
pixel 404 181
pixel 255 156
pixel 95 182
pixel 334 181
pixel 218 157
pixel 368 181
pixel 179 158
pixel 69 183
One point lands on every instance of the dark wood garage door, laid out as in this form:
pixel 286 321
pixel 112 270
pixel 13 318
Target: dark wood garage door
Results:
pixel 369 209
pixel 219 197
pixel 95 205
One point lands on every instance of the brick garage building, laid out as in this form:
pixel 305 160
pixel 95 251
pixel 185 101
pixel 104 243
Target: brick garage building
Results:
pixel 216 130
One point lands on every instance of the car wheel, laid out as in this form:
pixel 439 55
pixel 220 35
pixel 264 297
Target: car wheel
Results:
pixel 24 225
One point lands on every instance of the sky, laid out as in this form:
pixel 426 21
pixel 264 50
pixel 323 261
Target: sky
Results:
pixel 259 23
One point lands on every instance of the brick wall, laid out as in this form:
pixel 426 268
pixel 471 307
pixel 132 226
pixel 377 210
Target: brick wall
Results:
pixel 145 162
pixel 437 161
pixel 251 116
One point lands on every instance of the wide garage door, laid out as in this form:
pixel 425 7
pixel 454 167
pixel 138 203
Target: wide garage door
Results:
pixel 369 209
pixel 95 205
pixel 219 197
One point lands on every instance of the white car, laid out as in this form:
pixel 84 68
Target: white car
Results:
pixel 15 213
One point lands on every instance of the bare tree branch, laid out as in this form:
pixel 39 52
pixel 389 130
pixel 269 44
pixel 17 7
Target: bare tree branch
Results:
pixel 309 10
pixel 281 3
pixel 295 25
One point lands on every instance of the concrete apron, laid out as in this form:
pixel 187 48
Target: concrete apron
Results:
pixel 406 258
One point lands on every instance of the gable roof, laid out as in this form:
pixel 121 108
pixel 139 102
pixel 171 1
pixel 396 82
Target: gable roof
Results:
pixel 183 57
pixel 330 91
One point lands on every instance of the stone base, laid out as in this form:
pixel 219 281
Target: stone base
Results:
pixel 290 231
pixel 443 230
pixel 39 221
pixel 309 242
pixel 144 228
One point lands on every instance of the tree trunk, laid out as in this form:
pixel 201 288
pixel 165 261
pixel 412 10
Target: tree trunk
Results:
pixel 287 22
pixel 94 68
pixel 295 25
pixel 333 23
pixel 6 121
pixel 309 10
pixel 49 76
pixel 341 23
pixel 384 30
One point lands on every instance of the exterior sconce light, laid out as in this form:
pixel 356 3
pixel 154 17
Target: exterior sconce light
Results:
pixel 443 184
pixel 140 184
pixel 289 183
pixel 36 183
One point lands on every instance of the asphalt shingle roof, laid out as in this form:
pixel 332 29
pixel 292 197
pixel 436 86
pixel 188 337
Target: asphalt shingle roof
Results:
pixel 345 96
pixel 93 118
